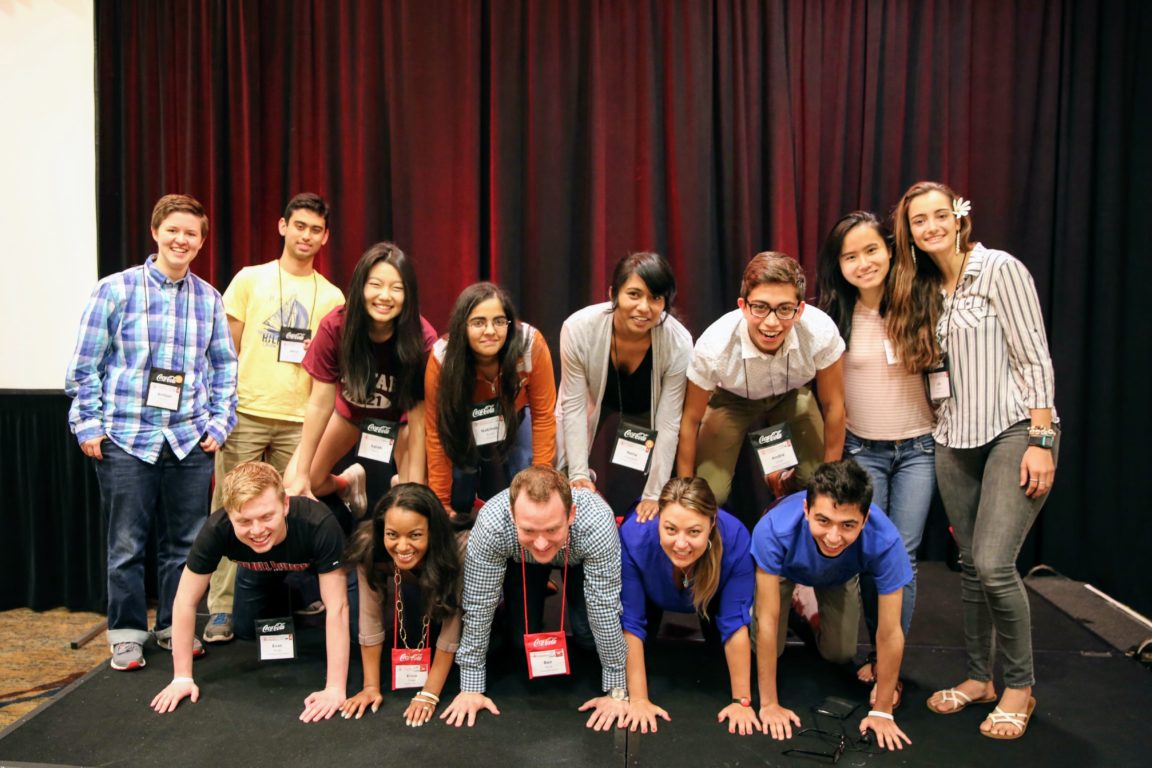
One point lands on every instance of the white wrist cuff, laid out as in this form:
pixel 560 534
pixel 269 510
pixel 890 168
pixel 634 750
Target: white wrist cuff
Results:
pixel 182 680
pixel 878 713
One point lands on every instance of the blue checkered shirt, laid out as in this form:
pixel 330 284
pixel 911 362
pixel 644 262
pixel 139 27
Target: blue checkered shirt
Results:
pixel 185 330
pixel 592 540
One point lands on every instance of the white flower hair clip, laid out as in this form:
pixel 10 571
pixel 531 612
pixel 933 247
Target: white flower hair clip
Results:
pixel 960 209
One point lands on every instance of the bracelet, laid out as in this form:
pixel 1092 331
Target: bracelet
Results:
pixel 882 715
pixel 431 698
pixel 182 680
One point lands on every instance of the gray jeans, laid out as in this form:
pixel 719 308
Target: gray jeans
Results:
pixel 990 517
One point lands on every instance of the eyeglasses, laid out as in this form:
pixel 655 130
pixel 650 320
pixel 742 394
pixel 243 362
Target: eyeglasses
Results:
pixel 480 323
pixel 761 310
pixel 835 741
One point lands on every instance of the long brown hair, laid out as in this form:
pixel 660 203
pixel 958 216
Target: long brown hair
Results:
pixel 694 494
pixel 916 283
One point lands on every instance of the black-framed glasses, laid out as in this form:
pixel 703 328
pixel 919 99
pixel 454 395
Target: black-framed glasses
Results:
pixel 761 310
pixel 480 323
pixel 836 744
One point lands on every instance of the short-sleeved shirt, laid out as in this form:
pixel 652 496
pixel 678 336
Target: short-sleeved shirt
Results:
pixel 782 545
pixel 323 363
pixel 726 358
pixel 315 542
pixel 646 574
pixel 266 298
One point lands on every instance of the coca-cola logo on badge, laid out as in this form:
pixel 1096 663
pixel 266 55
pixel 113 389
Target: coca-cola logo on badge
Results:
pixel 635 435
pixel 277 627
pixel 294 336
pixel 544 642
pixel 379 429
pixel 165 378
pixel 771 437
pixel 405 657
pixel 484 410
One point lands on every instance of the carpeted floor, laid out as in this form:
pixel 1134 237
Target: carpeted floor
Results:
pixel 36 660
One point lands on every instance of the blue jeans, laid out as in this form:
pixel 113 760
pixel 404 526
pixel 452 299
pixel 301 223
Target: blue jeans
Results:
pixel 492 476
pixel 171 497
pixel 903 476
pixel 990 517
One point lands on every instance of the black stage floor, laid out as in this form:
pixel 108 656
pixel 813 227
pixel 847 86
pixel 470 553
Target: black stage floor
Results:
pixel 1093 710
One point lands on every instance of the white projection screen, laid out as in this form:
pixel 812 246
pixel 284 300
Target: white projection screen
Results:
pixel 47 185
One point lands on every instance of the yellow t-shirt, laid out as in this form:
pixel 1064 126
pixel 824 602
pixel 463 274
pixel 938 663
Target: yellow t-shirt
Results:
pixel 264 297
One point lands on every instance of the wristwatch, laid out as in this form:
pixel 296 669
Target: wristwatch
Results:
pixel 1044 437
pixel 744 701
pixel 618 694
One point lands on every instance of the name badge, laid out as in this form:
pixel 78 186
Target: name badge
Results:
pixel 488 423
pixel 409 667
pixel 165 388
pixel 939 382
pixel 547 654
pixel 773 446
pixel 293 343
pixel 377 438
pixel 634 447
pixel 890 353
pixel 276 639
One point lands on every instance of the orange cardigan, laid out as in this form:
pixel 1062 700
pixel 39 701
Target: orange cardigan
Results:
pixel 537 391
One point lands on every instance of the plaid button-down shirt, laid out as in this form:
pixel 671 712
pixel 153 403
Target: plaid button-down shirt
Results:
pixel 140 319
pixel 592 540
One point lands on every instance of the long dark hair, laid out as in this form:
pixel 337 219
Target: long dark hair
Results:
pixel 837 296
pixel 458 378
pixel 916 284
pixel 358 361
pixel 440 573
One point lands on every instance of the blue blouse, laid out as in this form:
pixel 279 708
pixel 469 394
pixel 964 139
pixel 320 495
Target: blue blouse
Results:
pixel 647 575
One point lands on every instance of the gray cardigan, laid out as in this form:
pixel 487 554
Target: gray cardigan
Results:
pixel 585 344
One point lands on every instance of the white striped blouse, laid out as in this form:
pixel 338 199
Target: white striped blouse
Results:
pixel 993 332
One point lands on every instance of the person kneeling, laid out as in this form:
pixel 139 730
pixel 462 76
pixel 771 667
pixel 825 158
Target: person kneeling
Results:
pixel 826 538
pixel 268 535
pixel 693 559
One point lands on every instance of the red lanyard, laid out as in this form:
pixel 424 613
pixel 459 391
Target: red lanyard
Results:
pixel 563 588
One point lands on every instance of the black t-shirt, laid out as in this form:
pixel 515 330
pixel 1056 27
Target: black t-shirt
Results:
pixel 315 542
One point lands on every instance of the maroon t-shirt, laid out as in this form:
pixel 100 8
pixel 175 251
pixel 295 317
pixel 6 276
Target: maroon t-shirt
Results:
pixel 323 363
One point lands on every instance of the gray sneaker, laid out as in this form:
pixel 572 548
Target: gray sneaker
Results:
pixel 164 640
pixel 127 655
pixel 356 494
pixel 219 629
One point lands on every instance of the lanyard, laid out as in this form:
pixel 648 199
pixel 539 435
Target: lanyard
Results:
pixel 399 633
pixel 148 323
pixel 616 370
pixel 563 587
pixel 280 281
pixel 744 362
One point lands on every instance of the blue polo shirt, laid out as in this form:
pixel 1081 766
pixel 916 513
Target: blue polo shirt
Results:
pixel 646 573
pixel 782 545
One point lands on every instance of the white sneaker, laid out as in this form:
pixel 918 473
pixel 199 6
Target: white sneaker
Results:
pixel 355 495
